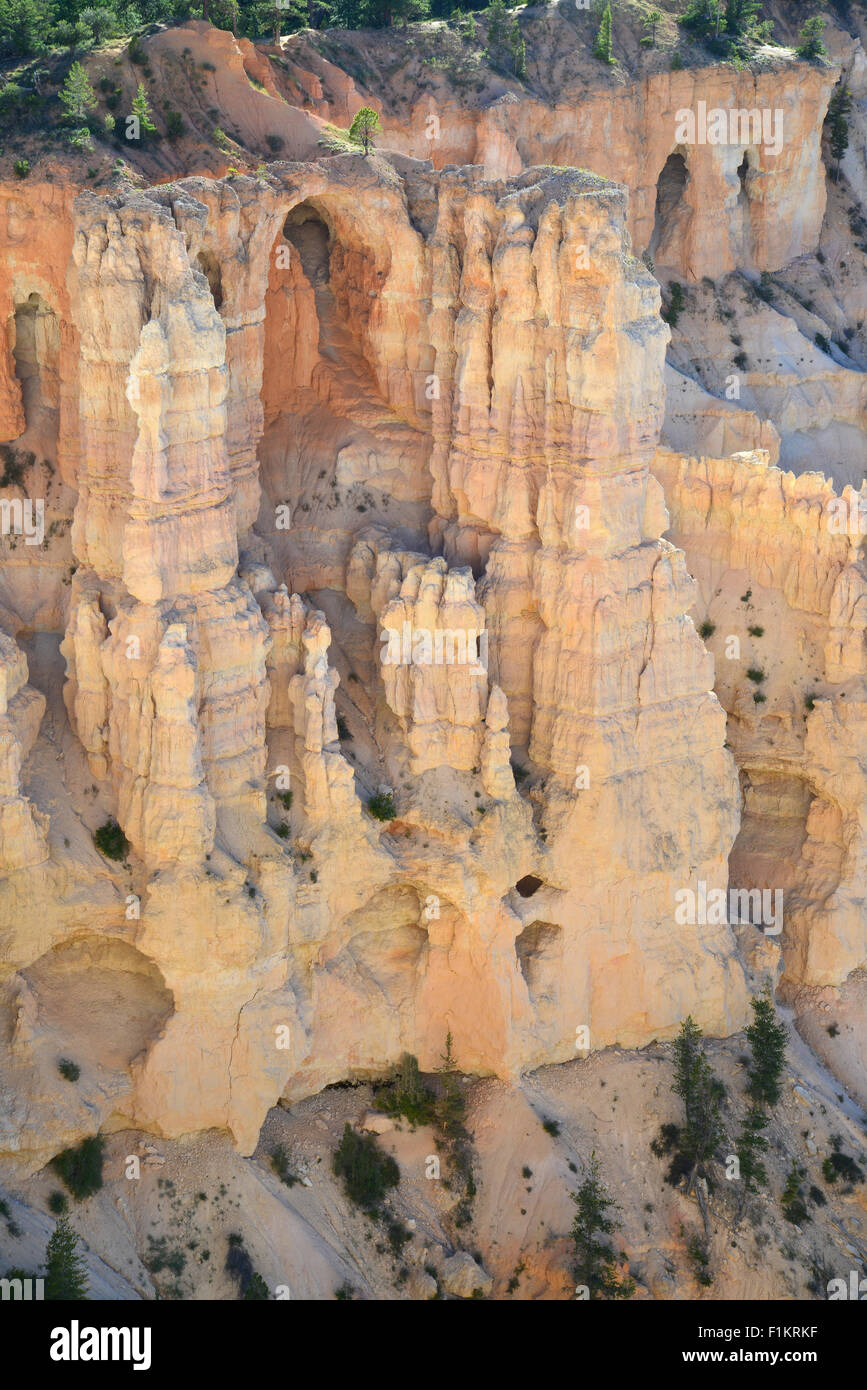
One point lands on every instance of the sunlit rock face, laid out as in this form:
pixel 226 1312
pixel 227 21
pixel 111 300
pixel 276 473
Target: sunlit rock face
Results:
pixel 724 167
pixel 353 402
pixel 780 583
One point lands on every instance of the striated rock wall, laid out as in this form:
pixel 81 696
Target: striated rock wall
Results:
pixel 751 200
pixel 454 387
pixel 783 592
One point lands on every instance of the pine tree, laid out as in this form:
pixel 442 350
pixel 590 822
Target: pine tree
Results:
pixel 65 1277
pixel 602 45
pixel 701 1093
pixel 498 26
pixel 811 44
pixel 749 1144
pixel 767 1039
pixel 100 20
pixel 650 21
pixel 142 111
pixel 595 1263
pixel 838 110
pixel 519 51
pixel 23 24
pixel 703 17
pixel 741 17
pixel 77 96
pixel 364 124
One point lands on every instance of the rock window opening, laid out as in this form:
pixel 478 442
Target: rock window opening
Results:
pixel 669 198
pixel 210 268
pixel 36 354
pixel 528 885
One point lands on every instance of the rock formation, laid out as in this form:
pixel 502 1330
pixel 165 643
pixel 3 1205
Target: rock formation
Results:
pixel 388 631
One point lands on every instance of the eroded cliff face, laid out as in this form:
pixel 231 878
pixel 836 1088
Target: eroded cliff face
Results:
pixel 437 365
pixel 356 507
pixel 781 580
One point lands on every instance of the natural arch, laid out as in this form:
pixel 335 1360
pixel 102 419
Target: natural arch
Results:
pixel 335 455
pixel 670 188
pixel 210 268
pixel 36 353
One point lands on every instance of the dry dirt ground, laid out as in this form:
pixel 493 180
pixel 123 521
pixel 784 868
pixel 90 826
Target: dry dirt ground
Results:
pixel 166 1234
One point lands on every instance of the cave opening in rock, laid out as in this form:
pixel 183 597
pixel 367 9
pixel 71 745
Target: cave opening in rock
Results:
pixel 101 1001
pixel 308 232
pixel 539 949
pixel 528 885
pixel 36 353
pixel 670 188
pixel 210 268
pixel 334 450
pixel 745 175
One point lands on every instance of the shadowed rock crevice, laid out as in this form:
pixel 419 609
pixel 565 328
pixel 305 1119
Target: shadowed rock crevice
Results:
pixel 210 268
pixel 36 355
pixel 671 210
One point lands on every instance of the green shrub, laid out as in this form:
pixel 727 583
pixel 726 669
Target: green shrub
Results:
pixel 755 675
pixel 58 1203
pixel 840 1165
pixel 551 1127
pixel 286 798
pixel 405 1094
pixel 381 806
pixel 794 1207
pixel 175 126
pixel 283 830
pixel 398 1237
pixel 111 841
pixel 257 1290
pixel 367 1172
pixel 666 1140
pixel 68 1070
pixel 707 629
pixel 676 304
pixel 81 1168
pixel 22 168
pixel 280 1164
pixel 822 342
pixel 700 1259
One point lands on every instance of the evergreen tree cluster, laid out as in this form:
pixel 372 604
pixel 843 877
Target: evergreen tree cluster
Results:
pixel 32 27
pixel 731 28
